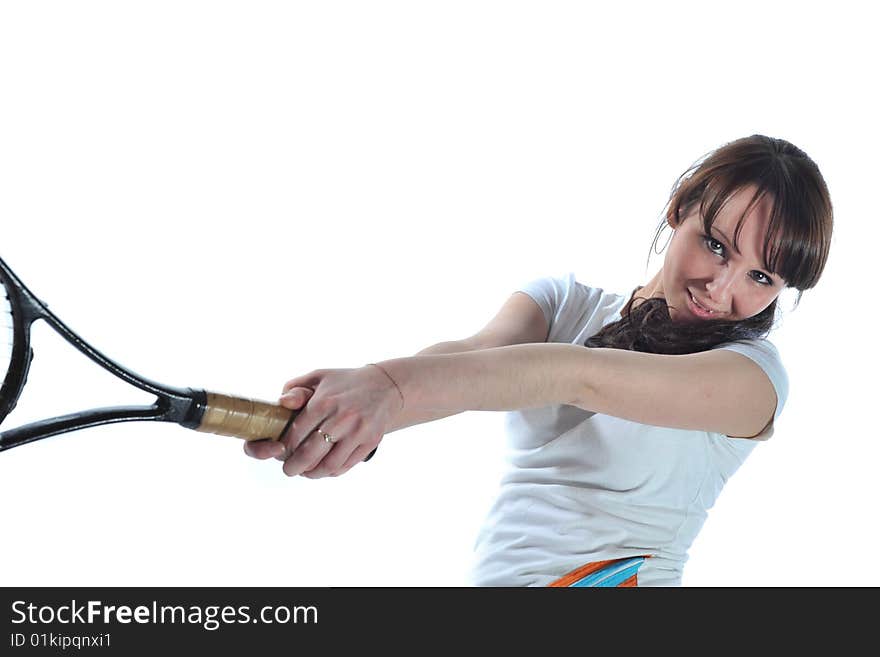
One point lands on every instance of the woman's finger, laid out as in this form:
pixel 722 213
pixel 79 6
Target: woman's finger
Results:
pixel 294 399
pixel 263 449
pixel 306 456
pixel 331 464
pixel 311 451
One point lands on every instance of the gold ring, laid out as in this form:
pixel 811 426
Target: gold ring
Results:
pixel 327 437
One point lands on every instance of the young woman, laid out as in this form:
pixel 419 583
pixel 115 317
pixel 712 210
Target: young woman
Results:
pixel 627 413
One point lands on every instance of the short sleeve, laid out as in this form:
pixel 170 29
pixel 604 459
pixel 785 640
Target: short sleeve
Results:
pixel 549 292
pixel 765 354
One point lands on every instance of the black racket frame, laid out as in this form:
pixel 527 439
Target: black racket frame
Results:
pixel 184 406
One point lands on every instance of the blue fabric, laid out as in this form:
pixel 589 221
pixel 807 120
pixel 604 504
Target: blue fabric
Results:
pixel 613 574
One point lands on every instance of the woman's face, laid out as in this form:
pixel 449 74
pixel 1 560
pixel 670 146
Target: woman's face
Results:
pixel 703 273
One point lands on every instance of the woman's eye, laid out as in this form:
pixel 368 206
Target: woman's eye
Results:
pixel 762 278
pixel 714 245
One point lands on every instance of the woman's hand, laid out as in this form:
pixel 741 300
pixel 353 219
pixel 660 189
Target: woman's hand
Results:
pixel 352 408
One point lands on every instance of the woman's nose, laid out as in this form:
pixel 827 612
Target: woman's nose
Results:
pixel 720 289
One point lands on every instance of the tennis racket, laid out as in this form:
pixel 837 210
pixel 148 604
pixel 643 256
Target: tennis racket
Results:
pixel 192 408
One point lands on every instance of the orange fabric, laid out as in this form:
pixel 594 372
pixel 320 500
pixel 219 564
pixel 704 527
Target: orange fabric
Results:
pixel 579 573
pixel 632 581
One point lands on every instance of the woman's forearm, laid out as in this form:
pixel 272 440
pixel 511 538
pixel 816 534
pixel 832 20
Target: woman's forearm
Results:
pixel 410 415
pixel 498 379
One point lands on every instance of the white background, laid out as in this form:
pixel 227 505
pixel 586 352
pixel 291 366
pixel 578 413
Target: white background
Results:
pixel 229 194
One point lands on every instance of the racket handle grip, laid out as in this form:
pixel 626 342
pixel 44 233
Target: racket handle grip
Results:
pixel 250 419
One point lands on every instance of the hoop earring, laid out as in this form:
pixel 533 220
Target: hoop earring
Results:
pixel 668 239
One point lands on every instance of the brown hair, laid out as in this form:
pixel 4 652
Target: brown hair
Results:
pixel 795 247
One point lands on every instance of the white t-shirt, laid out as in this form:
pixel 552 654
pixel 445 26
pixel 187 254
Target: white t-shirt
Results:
pixel 583 487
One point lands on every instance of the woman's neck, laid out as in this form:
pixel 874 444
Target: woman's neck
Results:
pixel 653 288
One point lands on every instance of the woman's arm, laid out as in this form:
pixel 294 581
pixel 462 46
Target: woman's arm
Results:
pixel 411 416
pixel 352 409
pixel 496 379
pixel 716 390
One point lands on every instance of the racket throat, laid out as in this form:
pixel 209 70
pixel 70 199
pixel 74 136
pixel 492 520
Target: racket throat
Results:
pixel 189 411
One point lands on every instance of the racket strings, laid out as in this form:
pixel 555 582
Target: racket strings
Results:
pixel 8 330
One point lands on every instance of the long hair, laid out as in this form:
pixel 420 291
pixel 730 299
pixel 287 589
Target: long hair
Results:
pixel 795 247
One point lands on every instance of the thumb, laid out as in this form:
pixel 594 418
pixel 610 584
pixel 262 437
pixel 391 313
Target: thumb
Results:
pixel 296 397
pixel 310 380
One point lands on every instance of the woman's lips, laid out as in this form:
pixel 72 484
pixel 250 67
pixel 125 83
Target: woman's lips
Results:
pixel 698 310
